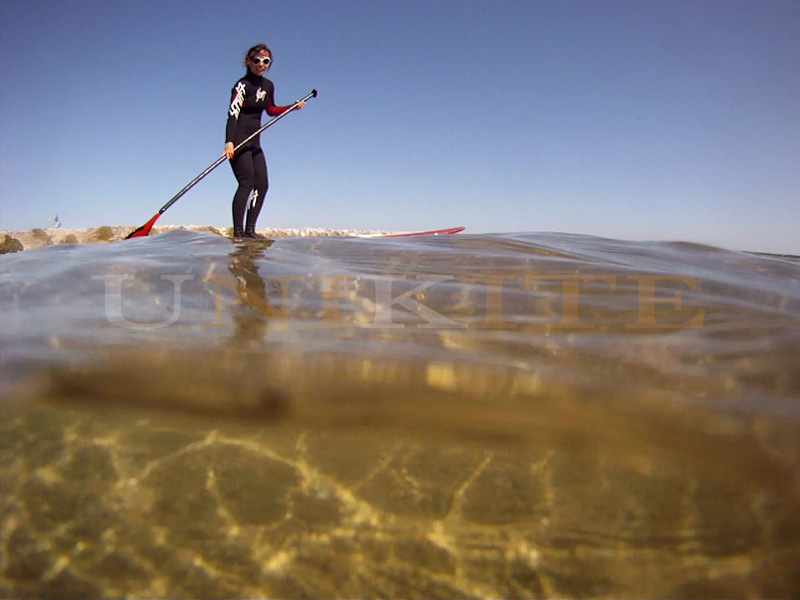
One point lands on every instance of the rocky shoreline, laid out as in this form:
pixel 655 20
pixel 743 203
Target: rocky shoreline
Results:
pixel 16 241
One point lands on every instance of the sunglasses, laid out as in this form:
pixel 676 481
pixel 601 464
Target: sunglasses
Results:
pixel 257 61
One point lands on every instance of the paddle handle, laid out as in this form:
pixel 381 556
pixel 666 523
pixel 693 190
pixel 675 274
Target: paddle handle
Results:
pixel 222 158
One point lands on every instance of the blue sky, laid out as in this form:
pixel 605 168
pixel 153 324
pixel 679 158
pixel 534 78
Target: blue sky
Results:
pixel 641 119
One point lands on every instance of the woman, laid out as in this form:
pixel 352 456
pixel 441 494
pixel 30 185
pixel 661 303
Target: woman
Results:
pixel 251 95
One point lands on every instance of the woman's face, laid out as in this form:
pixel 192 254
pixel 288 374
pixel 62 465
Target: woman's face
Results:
pixel 259 63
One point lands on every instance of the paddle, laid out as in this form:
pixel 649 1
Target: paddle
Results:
pixel 145 229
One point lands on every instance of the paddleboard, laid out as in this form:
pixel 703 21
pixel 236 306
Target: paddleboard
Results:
pixel 446 231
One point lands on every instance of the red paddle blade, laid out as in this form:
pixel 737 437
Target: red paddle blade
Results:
pixel 144 229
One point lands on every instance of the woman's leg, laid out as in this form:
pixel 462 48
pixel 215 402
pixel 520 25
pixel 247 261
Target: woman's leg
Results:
pixel 261 185
pixel 242 165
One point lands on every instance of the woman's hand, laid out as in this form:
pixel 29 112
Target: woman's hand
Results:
pixel 228 152
pixel 300 104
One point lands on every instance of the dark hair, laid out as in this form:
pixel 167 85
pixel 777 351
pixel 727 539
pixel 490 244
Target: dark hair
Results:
pixel 257 49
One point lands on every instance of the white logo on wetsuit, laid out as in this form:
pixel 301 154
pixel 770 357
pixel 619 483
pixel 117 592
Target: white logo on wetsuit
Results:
pixel 254 198
pixel 260 94
pixel 238 100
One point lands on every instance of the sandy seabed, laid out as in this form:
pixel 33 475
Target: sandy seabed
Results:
pixel 34 238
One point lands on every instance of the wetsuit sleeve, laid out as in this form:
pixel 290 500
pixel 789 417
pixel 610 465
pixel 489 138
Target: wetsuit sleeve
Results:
pixel 272 110
pixel 237 102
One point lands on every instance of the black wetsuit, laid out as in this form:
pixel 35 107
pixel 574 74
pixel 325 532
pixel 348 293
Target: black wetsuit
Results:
pixel 251 95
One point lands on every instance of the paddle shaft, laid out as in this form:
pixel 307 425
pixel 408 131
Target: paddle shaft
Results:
pixel 222 158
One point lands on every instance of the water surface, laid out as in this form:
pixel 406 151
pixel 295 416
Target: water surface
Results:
pixel 472 415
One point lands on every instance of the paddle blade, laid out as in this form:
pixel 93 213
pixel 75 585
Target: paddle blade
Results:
pixel 144 229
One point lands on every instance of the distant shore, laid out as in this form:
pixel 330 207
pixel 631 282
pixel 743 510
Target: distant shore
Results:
pixel 14 241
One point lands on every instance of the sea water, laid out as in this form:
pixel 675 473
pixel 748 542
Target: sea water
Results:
pixel 517 415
